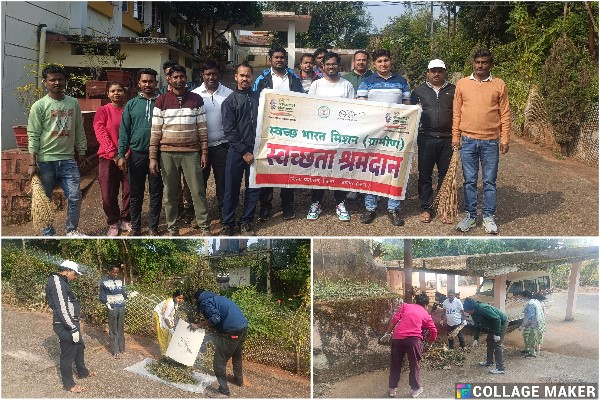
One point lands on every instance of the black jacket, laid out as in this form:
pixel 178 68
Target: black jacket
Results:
pixel 239 112
pixel 265 81
pixel 436 118
pixel 65 306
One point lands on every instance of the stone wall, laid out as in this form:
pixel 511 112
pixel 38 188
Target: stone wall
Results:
pixel 345 334
pixel 346 258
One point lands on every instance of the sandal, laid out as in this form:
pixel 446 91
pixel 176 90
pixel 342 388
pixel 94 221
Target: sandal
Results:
pixel 77 389
pixel 426 217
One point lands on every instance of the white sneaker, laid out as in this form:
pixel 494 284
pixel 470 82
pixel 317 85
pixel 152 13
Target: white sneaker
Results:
pixel 75 233
pixel 489 224
pixel 393 392
pixel 125 226
pixel 342 213
pixel 416 393
pixel 497 371
pixel 466 223
pixel 113 230
pixel 314 211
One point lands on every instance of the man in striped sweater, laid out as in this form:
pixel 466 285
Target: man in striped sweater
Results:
pixel 481 120
pixel 179 135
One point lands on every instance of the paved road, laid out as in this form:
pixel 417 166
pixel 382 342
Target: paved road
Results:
pixel 538 195
pixel 30 356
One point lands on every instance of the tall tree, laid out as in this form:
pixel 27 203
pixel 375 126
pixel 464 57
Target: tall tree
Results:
pixel 334 24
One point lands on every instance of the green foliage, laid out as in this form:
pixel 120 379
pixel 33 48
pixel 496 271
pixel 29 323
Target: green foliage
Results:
pixel 198 276
pixel 588 277
pixel 589 274
pixel 338 24
pixel 171 371
pixel 348 288
pixel 565 74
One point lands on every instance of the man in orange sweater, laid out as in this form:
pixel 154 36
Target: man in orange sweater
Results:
pixel 482 120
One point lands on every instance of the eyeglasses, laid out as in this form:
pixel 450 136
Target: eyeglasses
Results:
pixel 331 65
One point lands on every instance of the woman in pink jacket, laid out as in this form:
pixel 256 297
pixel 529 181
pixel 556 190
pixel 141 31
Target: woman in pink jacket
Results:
pixel 106 125
pixel 406 328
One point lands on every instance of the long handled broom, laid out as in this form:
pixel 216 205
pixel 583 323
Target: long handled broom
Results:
pixel 42 209
pixel 446 201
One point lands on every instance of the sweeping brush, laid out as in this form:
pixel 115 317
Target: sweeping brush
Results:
pixel 42 209
pixel 446 201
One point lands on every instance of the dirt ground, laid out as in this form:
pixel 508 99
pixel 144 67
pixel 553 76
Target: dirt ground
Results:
pixel 30 356
pixel 538 195
pixel 569 355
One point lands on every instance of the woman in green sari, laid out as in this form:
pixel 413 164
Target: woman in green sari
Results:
pixel 534 324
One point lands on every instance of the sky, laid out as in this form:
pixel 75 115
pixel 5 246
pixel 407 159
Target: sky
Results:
pixel 381 11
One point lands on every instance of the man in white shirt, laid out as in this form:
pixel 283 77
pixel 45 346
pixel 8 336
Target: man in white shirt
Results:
pixel 331 85
pixel 454 316
pixel 213 93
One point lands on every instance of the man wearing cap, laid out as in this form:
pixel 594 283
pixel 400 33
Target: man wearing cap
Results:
pixel 65 321
pixel 495 323
pixel 232 328
pixel 434 141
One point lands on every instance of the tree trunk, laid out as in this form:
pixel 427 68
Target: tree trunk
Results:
pixel 98 254
pixel 408 292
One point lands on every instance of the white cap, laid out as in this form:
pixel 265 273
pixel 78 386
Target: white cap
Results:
pixel 72 265
pixel 437 63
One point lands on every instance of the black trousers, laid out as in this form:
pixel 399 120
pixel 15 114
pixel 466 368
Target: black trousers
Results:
pixel 433 151
pixel 286 195
pixel 70 352
pixel 229 345
pixel 139 163
pixel 236 169
pixel 317 195
pixel 461 339
pixel 217 158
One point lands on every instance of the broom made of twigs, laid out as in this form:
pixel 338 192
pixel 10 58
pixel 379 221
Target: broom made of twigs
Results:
pixel 42 209
pixel 446 201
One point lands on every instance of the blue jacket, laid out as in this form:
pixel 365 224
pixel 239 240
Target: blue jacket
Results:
pixel 223 313
pixel 265 81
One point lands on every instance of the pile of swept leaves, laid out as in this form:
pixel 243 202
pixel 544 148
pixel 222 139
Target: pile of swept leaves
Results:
pixel 439 357
pixel 171 371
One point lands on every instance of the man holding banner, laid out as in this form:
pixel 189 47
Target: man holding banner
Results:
pixel 332 85
pixel 278 77
pixel 389 87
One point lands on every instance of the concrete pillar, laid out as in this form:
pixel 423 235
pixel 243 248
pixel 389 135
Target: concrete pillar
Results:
pixel 451 283
pixel 79 16
pixel 422 282
pixel 116 27
pixel 291 44
pixel 500 292
pixel 573 290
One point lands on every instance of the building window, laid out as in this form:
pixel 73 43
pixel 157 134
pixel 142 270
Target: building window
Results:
pixel 138 10
pixel 124 6
pixel 158 18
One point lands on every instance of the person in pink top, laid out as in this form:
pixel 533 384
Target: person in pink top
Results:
pixel 406 328
pixel 106 125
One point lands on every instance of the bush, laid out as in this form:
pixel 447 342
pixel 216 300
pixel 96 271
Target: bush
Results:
pixel 348 288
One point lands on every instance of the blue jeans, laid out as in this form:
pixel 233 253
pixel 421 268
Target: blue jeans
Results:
pixel 65 173
pixel 473 152
pixel 371 203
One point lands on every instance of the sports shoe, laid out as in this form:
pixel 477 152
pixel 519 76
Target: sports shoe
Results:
pixel 416 393
pixel 314 211
pixel 497 371
pixel 288 213
pixel 264 214
pixel 485 364
pixel 395 218
pixel 75 233
pixel 489 224
pixel 368 217
pixel 342 213
pixel 466 223
pixel 113 230
pixel 228 231
pixel 125 226
pixel 393 392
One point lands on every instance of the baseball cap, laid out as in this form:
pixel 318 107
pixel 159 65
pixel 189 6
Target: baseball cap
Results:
pixel 437 63
pixel 72 265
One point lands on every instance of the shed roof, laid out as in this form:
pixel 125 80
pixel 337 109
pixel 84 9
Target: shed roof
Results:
pixel 499 263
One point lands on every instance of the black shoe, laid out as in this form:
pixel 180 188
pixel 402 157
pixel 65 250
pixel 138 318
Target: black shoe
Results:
pixel 264 214
pixel 246 230
pixel 228 231
pixel 288 213
pixel 136 232
pixel 395 218
pixel 367 217
pixel 224 392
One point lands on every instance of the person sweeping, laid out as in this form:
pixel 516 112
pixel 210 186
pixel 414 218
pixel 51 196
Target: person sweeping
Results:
pixel 534 324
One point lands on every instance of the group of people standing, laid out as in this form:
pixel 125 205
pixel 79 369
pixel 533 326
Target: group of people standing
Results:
pixel 175 137
pixel 412 324
pixel 228 324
